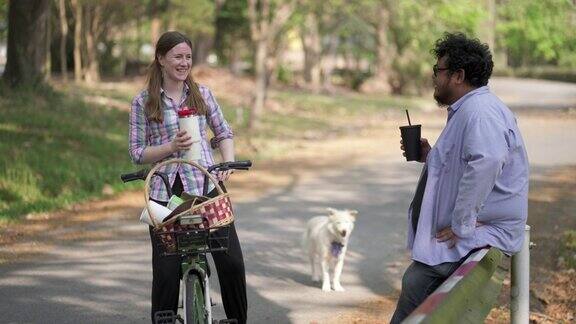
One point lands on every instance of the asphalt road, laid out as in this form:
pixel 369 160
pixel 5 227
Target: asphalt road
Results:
pixel 108 281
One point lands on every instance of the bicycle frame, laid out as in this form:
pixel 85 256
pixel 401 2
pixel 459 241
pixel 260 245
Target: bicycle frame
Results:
pixel 192 245
pixel 192 263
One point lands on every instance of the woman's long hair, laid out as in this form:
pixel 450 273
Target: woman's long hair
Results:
pixel 153 107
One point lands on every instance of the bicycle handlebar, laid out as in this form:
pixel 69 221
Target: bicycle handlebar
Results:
pixel 234 165
pixel 224 166
pixel 138 175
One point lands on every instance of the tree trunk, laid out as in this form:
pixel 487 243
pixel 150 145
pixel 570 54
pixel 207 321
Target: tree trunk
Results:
pixel 489 25
pixel 48 63
pixel 154 22
pixel 384 80
pixel 312 51
pixel 264 26
pixel 202 46
pixel 498 54
pixel 63 38
pixel 234 57
pixel 77 9
pixel 260 87
pixel 273 59
pixel 328 63
pixel 27 50
pixel 92 74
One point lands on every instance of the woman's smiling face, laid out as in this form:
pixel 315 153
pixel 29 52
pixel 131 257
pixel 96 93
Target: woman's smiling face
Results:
pixel 177 62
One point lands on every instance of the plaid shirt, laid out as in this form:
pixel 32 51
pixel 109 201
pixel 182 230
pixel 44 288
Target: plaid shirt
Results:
pixel 145 133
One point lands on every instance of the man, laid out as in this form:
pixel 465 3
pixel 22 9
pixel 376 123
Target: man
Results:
pixel 473 191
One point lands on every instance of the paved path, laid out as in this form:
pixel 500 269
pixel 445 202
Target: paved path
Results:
pixel 535 94
pixel 108 281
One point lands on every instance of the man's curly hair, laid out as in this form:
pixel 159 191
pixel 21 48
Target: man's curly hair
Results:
pixel 468 54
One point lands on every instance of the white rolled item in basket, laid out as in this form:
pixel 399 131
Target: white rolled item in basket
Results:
pixel 159 212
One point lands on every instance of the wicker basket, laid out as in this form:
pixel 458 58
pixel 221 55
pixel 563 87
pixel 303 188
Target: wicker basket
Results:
pixel 215 212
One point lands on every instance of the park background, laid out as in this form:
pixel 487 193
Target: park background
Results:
pixel 293 77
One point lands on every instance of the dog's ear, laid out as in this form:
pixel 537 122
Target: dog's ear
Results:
pixel 331 211
pixel 353 213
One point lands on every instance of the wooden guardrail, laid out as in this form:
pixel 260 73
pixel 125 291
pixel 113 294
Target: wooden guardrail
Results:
pixel 467 296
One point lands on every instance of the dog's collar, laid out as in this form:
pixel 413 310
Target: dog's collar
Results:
pixel 336 248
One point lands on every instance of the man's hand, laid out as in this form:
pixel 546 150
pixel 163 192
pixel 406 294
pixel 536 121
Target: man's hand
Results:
pixel 425 149
pixel 446 235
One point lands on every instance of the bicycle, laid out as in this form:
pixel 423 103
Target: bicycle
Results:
pixel 188 232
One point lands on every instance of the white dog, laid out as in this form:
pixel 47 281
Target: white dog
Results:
pixel 326 240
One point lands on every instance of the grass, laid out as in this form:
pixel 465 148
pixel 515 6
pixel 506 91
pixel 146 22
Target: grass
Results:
pixel 344 105
pixel 58 149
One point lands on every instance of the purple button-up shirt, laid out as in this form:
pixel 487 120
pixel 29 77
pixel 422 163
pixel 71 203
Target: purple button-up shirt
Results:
pixel 145 133
pixel 477 171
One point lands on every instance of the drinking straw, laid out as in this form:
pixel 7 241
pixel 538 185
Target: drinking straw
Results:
pixel 407 115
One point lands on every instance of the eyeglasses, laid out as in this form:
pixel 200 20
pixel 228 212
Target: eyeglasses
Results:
pixel 436 69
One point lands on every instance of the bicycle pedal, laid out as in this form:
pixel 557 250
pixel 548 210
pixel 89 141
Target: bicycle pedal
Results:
pixel 164 317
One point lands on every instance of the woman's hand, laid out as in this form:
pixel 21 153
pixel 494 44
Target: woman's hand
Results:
pixel 181 142
pixel 224 175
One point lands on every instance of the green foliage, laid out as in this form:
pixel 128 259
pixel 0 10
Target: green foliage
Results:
pixel 539 32
pixel 232 28
pixel 3 20
pixel 193 17
pixel 284 74
pixel 568 250
pixel 56 150
pixel 415 29
pixel 352 79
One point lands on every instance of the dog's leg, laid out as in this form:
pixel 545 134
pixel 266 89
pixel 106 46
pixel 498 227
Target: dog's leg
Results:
pixel 314 267
pixel 338 272
pixel 325 274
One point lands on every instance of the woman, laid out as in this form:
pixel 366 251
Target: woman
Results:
pixel 155 136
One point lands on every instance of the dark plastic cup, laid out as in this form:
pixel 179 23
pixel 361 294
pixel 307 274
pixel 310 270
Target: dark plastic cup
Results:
pixel 411 141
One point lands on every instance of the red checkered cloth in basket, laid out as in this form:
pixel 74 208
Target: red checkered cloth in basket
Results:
pixel 217 211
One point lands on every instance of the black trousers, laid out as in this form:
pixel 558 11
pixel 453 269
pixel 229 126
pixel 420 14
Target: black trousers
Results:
pixel 419 281
pixel 166 274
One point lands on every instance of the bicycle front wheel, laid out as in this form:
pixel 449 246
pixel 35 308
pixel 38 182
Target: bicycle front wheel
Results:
pixel 195 303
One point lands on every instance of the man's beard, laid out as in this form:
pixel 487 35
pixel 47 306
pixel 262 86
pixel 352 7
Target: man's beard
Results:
pixel 441 101
pixel 441 98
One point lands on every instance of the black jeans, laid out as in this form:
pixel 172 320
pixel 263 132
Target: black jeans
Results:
pixel 419 281
pixel 166 274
